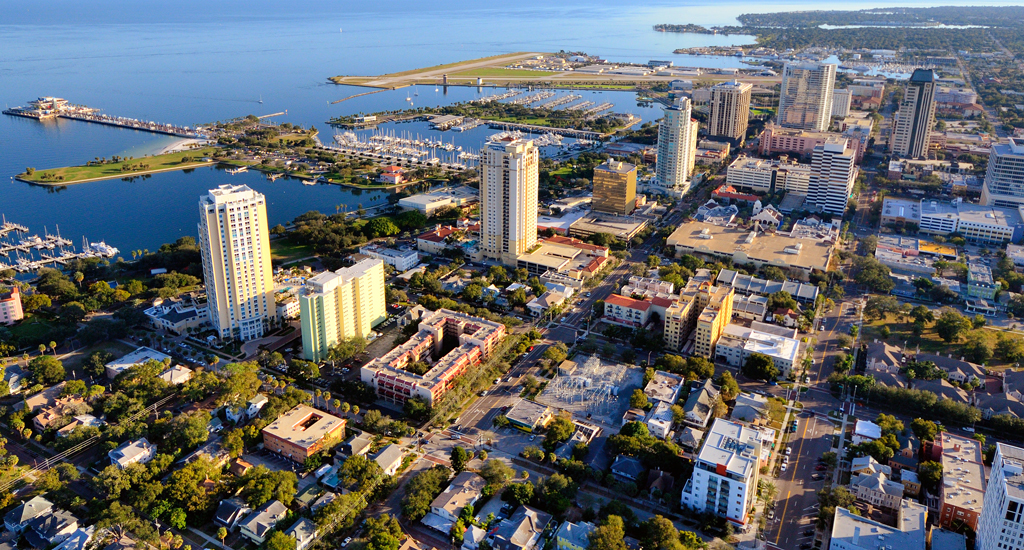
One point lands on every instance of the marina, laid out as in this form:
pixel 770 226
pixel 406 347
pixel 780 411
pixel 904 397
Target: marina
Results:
pixel 46 108
pixel 29 253
pixel 559 101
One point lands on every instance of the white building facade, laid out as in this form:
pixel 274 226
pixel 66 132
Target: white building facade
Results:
pixel 833 173
pixel 725 475
pixel 1001 526
pixel 677 147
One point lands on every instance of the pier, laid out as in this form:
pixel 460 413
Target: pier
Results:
pixel 559 101
pixel 533 128
pixel 356 95
pixel 51 249
pixel 54 107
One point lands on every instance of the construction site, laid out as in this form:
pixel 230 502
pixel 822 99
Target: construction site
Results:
pixel 591 388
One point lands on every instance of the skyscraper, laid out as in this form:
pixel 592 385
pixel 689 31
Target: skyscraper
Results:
pixel 235 245
pixel 833 172
pixel 614 188
pixel 805 102
pixel 1001 526
pixel 341 304
pixel 916 116
pixel 730 109
pixel 1004 181
pixel 508 197
pixel 677 147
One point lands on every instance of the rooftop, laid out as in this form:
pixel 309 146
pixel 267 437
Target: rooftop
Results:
pixel 902 208
pixel 732 446
pixel 1012 463
pixel 743 245
pixel 137 357
pixel 963 475
pixel 745 284
pixel 855 532
pixel 463 490
pixel 303 425
pixel 665 386
pixel 527 413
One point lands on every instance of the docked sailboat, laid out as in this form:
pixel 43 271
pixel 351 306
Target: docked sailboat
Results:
pixel 238 170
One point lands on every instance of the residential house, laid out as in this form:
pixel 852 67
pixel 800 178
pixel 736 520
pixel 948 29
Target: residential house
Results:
pixel 239 467
pixel 877 490
pixel 659 420
pixel 357 445
pixel 45 398
pixel 140 451
pixel 50 528
pixel 230 512
pixel 304 532
pixel 882 357
pixel 15 378
pixel 690 438
pixel 868 465
pixel 464 490
pixel 633 415
pixel 574 536
pixel 911 482
pixel 252 408
pixel 472 537
pixel 943 390
pixel 18 519
pixel 79 540
pixel 864 431
pixel 786 317
pixel 258 524
pixel 627 468
pixel 959 370
pixel 49 417
pixel 659 480
pixel 389 459
pixel 176 375
pixel 522 531
pixel 80 421
pixel 665 386
pixel 700 404
pixel 749 407
pixel 548 300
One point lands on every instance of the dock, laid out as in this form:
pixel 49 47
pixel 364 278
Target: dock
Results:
pixel 45 108
pixel 533 128
pixel 52 250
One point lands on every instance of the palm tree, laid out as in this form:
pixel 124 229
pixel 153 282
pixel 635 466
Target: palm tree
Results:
pixel 316 399
pixel 53 347
pixel 78 277
pixel 222 534
pixel 327 399
pixel 336 404
pixel 355 410
pixel 42 349
pixel 345 407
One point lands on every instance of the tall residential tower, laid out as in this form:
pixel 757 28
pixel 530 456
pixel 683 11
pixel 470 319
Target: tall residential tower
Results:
pixel 341 304
pixel 1001 526
pixel 1004 181
pixel 805 102
pixel 730 108
pixel 508 199
pixel 916 116
pixel 677 147
pixel 235 245
pixel 833 173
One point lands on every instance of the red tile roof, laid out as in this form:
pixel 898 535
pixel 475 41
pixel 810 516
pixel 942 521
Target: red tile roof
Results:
pixel 437 235
pixel 662 302
pixel 624 301
pixel 576 243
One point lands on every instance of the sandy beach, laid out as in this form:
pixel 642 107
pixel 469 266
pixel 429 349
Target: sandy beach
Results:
pixel 182 145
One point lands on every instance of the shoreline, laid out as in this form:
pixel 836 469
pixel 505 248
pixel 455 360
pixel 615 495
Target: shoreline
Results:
pixel 183 144
pixel 113 176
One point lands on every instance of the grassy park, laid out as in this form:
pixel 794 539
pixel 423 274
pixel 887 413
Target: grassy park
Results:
pixel 283 251
pixel 901 330
pixel 120 168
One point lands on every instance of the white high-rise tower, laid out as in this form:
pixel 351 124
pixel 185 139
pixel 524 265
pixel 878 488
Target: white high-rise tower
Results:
pixel 235 244
pixel 508 199
pixel 1001 525
pixel 805 102
pixel 833 173
pixel 677 147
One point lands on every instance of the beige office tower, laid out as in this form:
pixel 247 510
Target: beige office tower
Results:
pixel 235 246
pixel 730 109
pixel 916 116
pixel 614 188
pixel 341 304
pixel 805 101
pixel 508 199
pixel 677 147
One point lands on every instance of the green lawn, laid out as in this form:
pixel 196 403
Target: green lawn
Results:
pixel 118 349
pixel 498 72
pixel 73 174
pixel 929 341
pixel 30 329
pixel 283 251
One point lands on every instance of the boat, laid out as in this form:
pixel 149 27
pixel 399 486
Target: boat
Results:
pixel 308 182
pixel 101 249
pixel 274 177
pixel 238 170
pixel 261 99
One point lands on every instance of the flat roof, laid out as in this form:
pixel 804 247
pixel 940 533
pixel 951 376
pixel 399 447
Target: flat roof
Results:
pixel 137 357
pixel 733 446
pixel 1011 460
pixel 769 248
pixel 853 531
pixel 303 426
pixel 526 412
pixel 901 208
pixel 963 475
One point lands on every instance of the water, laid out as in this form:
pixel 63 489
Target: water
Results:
pixel 192 62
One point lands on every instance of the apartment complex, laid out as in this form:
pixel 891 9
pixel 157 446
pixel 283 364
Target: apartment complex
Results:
pixel 448 342
pixel 852 531
pixel 10 306
pixel 916 116
pixel 702 310
pixel 614 188
pixel 677 147
pixel 738 342
pixel 725 474
pixel 1002 517
pixel 342 304
pixel 745 246
pixel 235 245
pixel 508 196
pixel 730 109
pixel 1004 180
pixel 841 103
pixel 962 491
pixel 833 172
pixel 769 175
pixel 805 101
pixel 303 432
pixel 776 139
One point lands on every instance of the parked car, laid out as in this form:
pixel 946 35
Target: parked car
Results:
pixel 821 467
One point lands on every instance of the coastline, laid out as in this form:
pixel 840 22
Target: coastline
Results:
pixel 183 144
pixel 112 177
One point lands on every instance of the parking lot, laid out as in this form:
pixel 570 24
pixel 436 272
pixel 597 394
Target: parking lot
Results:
pixel 272 462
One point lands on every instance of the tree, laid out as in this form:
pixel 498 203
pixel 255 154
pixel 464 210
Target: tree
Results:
pixel 459 458
pixel 1010 348
pixel 930 474
pixel 609 536
pixel 924 430
pixel 639 399
pixel 877 307
pixel 889 424
pixel 496 472
pixel 421 491
pixel 95 364
pixel 728 386
pixel 46 370
pixel 951 325
pixel 222 534
pixel 277 540
pixel 518 493
pixel 781 300
pixel 556 353
pixel 976 347
pixel 381 227
pixel 559 430
pixel 383 533
pixel 922 314
pixel 761 367
pixel 260 485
